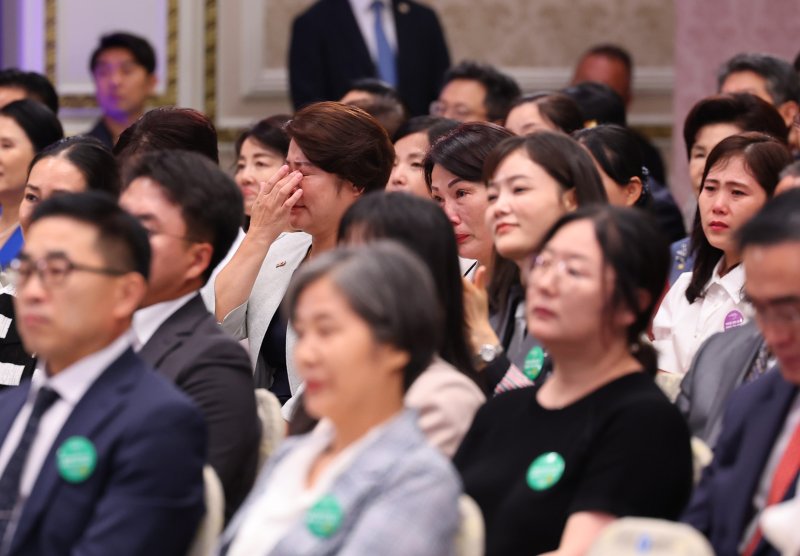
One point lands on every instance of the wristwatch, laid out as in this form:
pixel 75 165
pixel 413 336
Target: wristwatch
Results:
pixel 488 353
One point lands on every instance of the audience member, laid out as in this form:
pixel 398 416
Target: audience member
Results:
pixel 99 455
pixel 17 85
pixel 411 143
pixel 26 127
pixel 710 121
pixel 550 111
pixel 789 178
pixel 71 165
pixel 475 92
pixel 756 458
pixel 192 210
pixel 389 112
pixel 260 152
pixel 599 103
pixel 551 466
pixel 336 154
pixel 335 42
pixel 367 325
pixel 740 175
pixel 531 182
pixel 767 77
pixel 123 66
pixel 369 88
pixel 453 170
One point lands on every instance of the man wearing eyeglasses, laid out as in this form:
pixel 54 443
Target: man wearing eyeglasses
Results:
pixel 192 211
pixel 474 92
pixel 99 455
pixel 757 456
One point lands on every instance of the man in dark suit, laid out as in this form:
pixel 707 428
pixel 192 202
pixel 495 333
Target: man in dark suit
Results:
pixel 336 42
pixel 192 211
pixel 99 454
pixel 757 457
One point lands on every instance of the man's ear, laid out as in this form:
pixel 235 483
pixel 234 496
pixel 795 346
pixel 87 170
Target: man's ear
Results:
pixel 788 110
pixel 130 292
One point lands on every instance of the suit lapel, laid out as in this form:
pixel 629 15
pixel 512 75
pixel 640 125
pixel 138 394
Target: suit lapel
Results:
pixel 11 402
pixel 172 333
pixel 349 33
pixel 758 437
pixel 94 411
pixel 355 485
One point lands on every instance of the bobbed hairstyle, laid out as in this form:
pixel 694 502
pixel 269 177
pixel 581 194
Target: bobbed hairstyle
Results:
pixel 617 151
pixel 599 103
pixel 346 141
pixel 168 128
pixel 90 157
pixel 764 157
pixel 269 133
pixel 463 150
pixel 635 249
pixel 211 205
pixel 560 156
pixel 421 226
pixel 35 85
pixel 433 126
pixel 121 239
pixel 38 122
pixel 557 108
pixel 745 111
pixel 390 289
pixel 140 49
pixel 778 222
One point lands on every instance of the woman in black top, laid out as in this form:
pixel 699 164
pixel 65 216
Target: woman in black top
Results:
pixel 551 465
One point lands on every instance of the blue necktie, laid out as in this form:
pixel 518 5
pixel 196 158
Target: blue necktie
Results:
pixel 10 481
pixel 387 68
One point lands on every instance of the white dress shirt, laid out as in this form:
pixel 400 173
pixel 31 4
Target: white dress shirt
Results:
pixel 146 321
pixel 365 17
pixel 680 327
pixel 207 291
pixel 71 384
pixel 284 502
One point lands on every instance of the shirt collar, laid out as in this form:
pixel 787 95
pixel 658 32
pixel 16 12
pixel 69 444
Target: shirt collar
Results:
pixel 148 320
pixel 365 6
pixel 732 282
pixel 73 382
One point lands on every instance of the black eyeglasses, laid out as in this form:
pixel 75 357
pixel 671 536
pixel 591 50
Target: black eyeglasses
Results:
pixel 52 269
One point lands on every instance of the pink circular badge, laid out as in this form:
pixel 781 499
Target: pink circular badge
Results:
pixel 733 319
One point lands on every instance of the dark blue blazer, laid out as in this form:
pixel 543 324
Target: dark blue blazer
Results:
pixel 722 504
pixel 327 52
pixel 145 495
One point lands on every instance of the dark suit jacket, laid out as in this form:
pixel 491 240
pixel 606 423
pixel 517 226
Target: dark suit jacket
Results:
pixel 722 507
pixel 11 349
pixel 327 52
pixel 719 367
pixel 145 495
pixel 191 350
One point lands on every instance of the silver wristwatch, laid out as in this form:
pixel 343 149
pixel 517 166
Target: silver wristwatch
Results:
pixel 488 353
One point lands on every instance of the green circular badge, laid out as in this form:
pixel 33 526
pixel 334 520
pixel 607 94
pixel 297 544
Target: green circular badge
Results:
pixel 545 471
pixel 534 362
pixel 76 459
pixel 325 517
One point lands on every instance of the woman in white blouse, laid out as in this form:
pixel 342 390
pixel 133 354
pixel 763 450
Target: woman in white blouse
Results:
pixel 740 175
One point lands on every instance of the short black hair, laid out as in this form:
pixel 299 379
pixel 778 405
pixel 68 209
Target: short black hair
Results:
pixel 35 85
pixel 269 133
pixel 121 238
pixel 777 222
pixel 211 204
pixel 376 87
pixel 434 126
pixel 92 159
pixel 613 51
pixel 501 89
pixel 38 122
pixel 783 83
pixel 168 128
pixel 141 50
pixel 598 102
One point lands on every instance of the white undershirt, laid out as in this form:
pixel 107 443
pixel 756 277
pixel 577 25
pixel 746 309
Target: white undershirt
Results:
pixel 71 384
pixel 365 17
pixel 146 321
pixel 286 498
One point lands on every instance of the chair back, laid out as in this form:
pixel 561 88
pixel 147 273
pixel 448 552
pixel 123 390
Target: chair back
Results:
pixel 273 427
pixel 470 536
pixel 211 526
pixel 631 536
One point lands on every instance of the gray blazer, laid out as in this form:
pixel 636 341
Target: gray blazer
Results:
pixel 251 319
pixel 398 497
pixel 718 368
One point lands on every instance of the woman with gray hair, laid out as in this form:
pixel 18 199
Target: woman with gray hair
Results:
pixel 367 324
